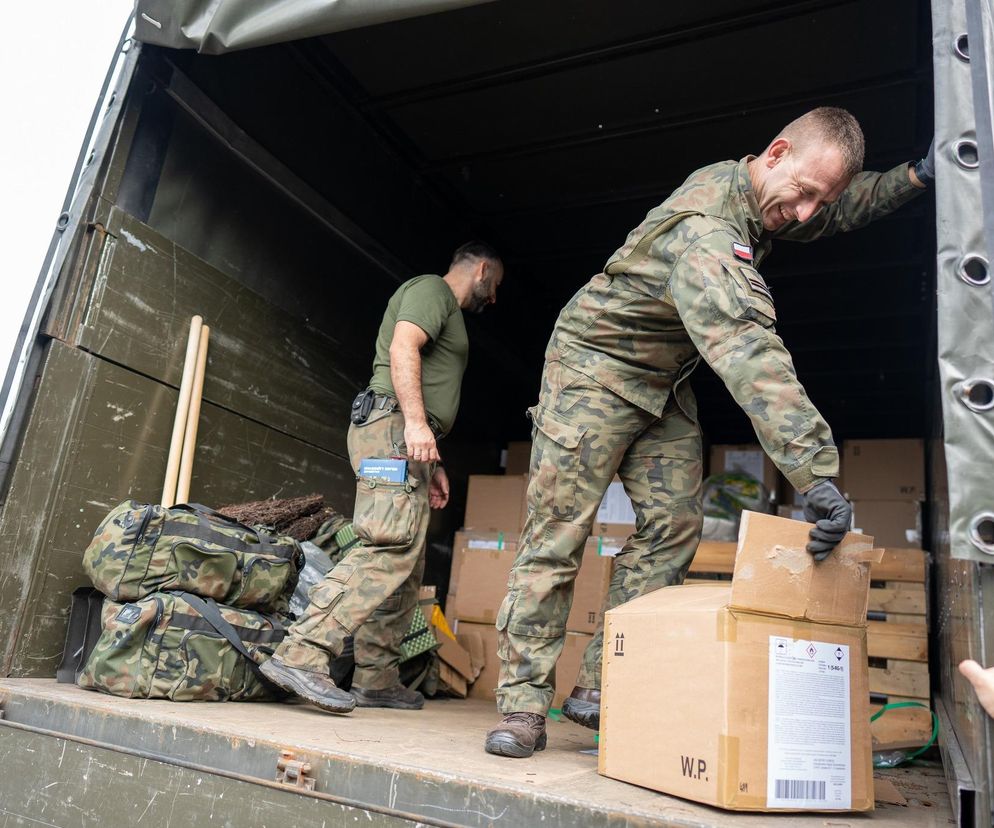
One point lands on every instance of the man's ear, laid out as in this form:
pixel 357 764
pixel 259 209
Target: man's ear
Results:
pixel 776 152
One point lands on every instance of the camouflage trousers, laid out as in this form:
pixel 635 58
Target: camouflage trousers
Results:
pixel 583 435
pixel 373 591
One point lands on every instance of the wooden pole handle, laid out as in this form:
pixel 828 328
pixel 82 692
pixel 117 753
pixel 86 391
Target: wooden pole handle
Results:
pixel 192 419
pixel 182 407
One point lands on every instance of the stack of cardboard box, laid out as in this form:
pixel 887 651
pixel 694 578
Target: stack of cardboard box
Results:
pixel 749 696
pixel 885 480
pixel 897 636
pixel 483 553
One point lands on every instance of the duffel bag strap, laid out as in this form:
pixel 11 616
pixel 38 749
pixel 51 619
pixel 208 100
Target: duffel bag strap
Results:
pixel 209 612
pixel 199 508
pixel 82 633
pixel 204 531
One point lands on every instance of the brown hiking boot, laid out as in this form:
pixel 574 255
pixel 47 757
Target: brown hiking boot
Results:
pixel 584 707
pixel 518 735
pixel 316 688
pixel 399 697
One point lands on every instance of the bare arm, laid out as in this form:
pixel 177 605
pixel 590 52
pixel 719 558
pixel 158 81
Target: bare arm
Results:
pixel 405 373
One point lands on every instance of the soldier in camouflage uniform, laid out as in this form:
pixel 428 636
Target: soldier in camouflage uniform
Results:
pixel 421 354
pixel 615 396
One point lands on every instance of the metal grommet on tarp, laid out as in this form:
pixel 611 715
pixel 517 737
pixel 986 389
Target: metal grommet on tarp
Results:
pixel 982 532
pixel 974 269
pixel 966 155
pixel 976 393
pixel 961 47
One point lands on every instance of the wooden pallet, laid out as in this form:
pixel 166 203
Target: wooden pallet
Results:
pixel 907 727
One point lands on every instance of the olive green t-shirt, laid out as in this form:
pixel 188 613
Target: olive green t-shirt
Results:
pixel 428 302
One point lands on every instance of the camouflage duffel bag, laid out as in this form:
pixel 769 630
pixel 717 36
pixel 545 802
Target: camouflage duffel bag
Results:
pixel 169 645
pixel 140 549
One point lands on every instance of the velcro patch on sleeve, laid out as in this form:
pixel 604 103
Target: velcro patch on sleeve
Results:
pixel 756 282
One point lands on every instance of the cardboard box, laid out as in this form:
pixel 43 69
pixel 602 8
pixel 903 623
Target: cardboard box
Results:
pixel 568 666
pixel 478 581
pixel 775 575
pixel 518 457
pixel 748 458
pixel 884 469
pixel 753 711
pixel 496 502
pixel 616 508
pixel 483 637
pixel 891 522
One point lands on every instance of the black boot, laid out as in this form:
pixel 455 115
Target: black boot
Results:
pixel 584 707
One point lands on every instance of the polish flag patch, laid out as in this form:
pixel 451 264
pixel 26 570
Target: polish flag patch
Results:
pixel 742 251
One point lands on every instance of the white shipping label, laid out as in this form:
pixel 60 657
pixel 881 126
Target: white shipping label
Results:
pixel 616 507
pixel 809 758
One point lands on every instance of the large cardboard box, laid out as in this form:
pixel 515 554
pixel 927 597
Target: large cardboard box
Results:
pixel 518 457
pixel 496 502
pixel 747 458
pixel 568 666
pixel 751 697
pixel 475 637
pixel 884 469
pixel 481 563
pixel 891 522
pixel 471 635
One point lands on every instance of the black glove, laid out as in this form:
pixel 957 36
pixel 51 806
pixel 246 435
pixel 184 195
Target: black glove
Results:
pixel 925 169
pixel 831 514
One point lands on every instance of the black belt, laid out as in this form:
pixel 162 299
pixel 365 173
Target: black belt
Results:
pixel 384 402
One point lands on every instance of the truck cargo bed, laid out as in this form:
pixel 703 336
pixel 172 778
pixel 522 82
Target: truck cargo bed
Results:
pixel 164 763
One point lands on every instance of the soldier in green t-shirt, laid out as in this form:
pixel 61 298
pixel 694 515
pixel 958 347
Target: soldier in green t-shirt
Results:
pixel 411 402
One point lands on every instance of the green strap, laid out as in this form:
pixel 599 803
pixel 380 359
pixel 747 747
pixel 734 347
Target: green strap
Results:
pixel 935 725
pixel 642 248
pixel 346 538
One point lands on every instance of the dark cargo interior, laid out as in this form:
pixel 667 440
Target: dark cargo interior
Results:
pixel 284 192
pixel 550 129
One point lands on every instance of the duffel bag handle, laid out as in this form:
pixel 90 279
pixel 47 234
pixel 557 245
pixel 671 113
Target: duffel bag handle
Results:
pixel 209 611
pixel 200 509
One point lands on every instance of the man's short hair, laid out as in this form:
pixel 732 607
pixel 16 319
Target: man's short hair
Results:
pixel 833 125
pixel 475 250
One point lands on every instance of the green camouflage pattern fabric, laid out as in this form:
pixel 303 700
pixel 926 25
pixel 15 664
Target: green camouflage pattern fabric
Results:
pixel 160 648
pixel 583 435
pixel 372 592
pixel 615 399
pixel 139 549
pixel 641 332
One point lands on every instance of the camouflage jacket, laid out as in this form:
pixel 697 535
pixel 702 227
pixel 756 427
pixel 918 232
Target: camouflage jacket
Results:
pixel 682 287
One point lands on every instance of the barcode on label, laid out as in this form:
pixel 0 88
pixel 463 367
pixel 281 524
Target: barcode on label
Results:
pixel 800 789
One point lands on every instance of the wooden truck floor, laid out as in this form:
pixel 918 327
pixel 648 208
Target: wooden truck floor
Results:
pixel 70 757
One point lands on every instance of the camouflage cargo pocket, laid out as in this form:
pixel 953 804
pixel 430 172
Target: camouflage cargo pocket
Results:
pixel 385 513
pixel 555 463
